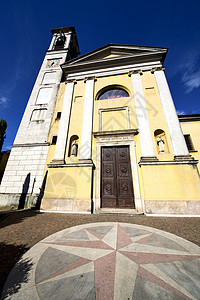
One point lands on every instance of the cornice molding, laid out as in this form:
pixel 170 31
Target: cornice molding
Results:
pixel 30 145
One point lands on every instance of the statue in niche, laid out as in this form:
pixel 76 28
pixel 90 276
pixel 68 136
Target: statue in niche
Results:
pixel 74 149
pixel 161 143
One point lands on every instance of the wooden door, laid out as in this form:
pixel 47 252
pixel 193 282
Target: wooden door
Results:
pixel 116 178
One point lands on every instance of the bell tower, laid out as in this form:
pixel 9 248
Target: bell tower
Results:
pixel 25 167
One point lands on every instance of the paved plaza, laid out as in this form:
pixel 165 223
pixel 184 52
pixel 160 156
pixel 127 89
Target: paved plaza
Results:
pixel 107 260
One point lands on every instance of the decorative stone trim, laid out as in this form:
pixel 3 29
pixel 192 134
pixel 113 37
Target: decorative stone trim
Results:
pixel 90 78
pixel 70 81
pixel 113 109
pixel 183 157
pixel 148 159
pixel 30 145
pixel 169 162
pixel 157 69
pixel 117 139
pixel 115 133
pixel 64 165
pixel 57 162
pixel 135 72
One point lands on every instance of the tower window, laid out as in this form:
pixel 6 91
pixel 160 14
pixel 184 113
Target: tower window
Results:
pixel 60 41
pixel 189 143
pixel 54 139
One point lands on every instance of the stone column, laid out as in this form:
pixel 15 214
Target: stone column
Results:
pixel 86 137
pixel 146 144
pixel 173 124
pixel 59 156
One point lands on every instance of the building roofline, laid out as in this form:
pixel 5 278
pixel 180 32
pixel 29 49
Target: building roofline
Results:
pixel 63 29
pixel 165 50
pixel 189 118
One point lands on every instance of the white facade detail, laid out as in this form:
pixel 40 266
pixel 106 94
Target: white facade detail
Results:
pixel 146 143
pixel 64 123
pixel 44 95
pixel 86 137
pixel 49 77
pixel 176 134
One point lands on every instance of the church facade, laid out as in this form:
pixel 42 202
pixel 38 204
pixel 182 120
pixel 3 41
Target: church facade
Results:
pixel 100 134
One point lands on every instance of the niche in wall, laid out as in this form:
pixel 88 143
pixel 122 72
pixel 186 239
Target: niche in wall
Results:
pixel 161 141
pixel 73 146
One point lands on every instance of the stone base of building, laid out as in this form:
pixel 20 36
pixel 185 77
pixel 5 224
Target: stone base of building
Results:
pixel 172 207
pixel 18 201
pixel 67 205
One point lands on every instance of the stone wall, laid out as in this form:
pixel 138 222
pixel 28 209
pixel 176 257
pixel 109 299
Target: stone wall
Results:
pixel 23 174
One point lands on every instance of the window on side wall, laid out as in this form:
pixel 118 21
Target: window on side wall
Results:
pixel 189 143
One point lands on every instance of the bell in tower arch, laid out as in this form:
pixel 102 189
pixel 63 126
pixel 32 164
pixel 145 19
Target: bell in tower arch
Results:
pixel 60 41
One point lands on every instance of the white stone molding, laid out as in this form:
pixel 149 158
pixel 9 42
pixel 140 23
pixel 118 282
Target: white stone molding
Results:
pixel 64 124
pixel 86 137
pixel 117 140
pixel 102 72
pixel 146 143
pixel 176 134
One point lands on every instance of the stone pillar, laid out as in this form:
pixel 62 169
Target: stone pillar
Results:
pixel 176 134
pixel 59 156
pixel 86 137
pixel 146 144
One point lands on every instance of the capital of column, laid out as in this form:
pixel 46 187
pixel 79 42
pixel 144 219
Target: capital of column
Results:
pixel 135 72
pixel 157 69
pixel 71 81
pixel 90 78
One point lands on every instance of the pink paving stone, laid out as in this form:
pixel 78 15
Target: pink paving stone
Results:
pixel 85 244
pixel 80 262
pixel 98 235
pixel 122 238
pixel 153 258
pixel 104 269
pixel 154 279
pixel 144 240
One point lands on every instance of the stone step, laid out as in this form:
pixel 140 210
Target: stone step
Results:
pixel 125 211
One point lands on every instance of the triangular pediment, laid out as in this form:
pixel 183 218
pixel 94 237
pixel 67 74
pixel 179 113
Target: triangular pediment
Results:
pixel 114 57
pixel 116 51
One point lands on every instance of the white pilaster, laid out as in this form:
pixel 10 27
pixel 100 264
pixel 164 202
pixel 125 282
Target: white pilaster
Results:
pixel 64 124
pixel 86 137
pixel 146 143
pixel 52 42
pixel 176 135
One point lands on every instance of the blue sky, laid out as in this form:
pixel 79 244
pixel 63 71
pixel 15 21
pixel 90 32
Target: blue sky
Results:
pixel 25 35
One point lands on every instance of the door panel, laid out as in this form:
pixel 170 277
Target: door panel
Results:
pixel 116 181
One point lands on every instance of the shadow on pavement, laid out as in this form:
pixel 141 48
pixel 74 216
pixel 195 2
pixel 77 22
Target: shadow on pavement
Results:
pixel 14 217
pixel 9 256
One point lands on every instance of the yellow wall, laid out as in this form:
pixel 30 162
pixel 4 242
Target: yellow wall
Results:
pixel 157 182
pixel 171 182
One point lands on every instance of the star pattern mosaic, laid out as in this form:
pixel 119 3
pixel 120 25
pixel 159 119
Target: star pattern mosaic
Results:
pixel 115 261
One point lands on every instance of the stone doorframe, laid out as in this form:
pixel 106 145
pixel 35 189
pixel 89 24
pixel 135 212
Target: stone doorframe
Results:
pixel 117 138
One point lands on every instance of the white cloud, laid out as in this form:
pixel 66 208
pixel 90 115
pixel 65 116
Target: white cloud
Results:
pixel 190 69
pixel 4 101
pixel 191 80
pixel 180 112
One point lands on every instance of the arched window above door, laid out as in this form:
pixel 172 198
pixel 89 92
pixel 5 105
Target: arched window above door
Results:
pixel 112 93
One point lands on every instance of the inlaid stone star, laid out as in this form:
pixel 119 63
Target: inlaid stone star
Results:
pixel 116 261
